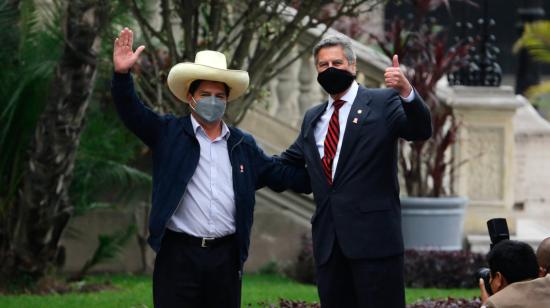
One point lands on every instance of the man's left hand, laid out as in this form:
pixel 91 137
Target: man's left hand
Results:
pixel 394 78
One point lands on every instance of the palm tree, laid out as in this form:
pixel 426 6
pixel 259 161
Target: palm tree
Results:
pixel 30 53
pixel 35 206
pixel 106 152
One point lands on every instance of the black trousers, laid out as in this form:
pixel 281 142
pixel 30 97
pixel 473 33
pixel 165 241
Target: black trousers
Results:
pixel 364 283
pixel 191 276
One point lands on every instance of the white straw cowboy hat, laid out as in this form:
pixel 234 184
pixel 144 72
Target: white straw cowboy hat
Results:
pixel 209 65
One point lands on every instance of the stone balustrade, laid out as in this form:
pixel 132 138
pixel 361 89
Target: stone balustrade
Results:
pixel 296 90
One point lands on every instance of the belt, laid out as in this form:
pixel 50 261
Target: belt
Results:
pixel 204 242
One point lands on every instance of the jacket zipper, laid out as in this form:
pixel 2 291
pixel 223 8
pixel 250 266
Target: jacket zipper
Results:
pixel 233 175
pixel 240 273
pixel 232 165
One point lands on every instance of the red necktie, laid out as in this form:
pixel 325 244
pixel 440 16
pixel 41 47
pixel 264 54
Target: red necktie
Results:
pixel 331 140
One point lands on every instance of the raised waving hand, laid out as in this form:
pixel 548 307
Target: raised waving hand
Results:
pixel 123 55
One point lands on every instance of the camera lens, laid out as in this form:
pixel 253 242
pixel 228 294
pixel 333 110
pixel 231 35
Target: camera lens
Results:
pixel 485 274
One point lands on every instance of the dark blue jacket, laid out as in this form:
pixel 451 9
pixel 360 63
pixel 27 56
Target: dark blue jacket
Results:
pixel 176 153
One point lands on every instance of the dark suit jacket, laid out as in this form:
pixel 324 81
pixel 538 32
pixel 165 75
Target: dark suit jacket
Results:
pixel 362 207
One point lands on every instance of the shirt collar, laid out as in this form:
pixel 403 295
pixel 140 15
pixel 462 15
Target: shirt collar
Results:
pixel 197 127
pixel 349 97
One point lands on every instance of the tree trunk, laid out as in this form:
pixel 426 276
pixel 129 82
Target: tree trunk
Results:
pixel 43 206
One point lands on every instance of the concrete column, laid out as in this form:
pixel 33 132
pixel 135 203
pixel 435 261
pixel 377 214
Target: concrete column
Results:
pixel 287 93
pixel 310 90
pixel 485 148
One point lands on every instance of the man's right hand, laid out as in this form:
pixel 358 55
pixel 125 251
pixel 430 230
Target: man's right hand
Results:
pixel 123 56
pixel 484 294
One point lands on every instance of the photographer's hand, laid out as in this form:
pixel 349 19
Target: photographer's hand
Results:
pixel 484 294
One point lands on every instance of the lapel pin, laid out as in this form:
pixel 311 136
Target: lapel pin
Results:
pixel 354 120
pixel 359 111
pixel 242 168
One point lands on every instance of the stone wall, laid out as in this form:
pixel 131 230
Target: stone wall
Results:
pixel 532 136
pixel 532 182
pixel 80 239
pixel 484 152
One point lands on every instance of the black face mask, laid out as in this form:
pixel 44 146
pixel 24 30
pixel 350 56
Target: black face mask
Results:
pixel 335 80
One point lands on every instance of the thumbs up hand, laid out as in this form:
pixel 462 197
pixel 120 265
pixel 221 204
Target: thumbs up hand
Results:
pixel 394 78
pixel 395 61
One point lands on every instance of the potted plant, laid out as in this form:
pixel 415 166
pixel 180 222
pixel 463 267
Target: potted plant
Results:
pixel 432 217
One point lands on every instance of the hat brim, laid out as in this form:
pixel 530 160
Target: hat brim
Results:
pixel 182 75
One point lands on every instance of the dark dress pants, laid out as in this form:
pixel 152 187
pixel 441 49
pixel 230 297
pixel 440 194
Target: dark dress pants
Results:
pixel 362 283
pixel 192 276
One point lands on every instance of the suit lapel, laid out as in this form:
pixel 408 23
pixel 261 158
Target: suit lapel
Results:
pixel 356 118
pixel 309 134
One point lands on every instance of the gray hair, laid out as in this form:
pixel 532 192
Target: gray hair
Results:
pixel 341 41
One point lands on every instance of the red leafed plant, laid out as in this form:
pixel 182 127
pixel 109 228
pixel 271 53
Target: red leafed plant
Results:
pixel 422 46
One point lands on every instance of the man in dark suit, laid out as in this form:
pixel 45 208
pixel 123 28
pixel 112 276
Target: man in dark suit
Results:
pixel 349 144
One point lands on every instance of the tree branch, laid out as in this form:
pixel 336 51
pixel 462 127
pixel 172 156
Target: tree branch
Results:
pixel 167 27
pixel 143 21
pixel 214 23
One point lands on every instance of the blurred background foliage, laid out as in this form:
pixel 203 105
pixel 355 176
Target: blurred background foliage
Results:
pixel 103 175
pixel 536 39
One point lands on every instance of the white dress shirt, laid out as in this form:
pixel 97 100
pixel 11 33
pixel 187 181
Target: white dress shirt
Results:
pixel 207 207
pixel 321 127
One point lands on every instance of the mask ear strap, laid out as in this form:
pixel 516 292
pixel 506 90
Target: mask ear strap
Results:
pixel 191 105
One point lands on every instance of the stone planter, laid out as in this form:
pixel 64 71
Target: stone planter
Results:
pixel 433 223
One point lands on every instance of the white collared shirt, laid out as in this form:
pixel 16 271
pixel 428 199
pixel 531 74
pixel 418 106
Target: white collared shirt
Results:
pixel 207 207
pixel 321 127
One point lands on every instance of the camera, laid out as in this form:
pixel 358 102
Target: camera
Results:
pixel 498 231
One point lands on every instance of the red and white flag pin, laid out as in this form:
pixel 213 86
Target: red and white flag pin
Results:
pixel 242 168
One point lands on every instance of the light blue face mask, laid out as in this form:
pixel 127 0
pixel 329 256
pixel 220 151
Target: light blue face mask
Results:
pixel 210 109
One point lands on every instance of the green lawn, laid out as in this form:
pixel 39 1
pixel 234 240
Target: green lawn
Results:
pixel 135 291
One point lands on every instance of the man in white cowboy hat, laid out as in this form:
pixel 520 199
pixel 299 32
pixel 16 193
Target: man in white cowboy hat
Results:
pixel 204 178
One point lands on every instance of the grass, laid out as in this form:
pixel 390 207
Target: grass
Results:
pixel 135 291
pixel 412 295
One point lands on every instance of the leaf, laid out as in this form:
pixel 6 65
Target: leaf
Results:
pixel 536 38
pixel 105 151
pixel 539 90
